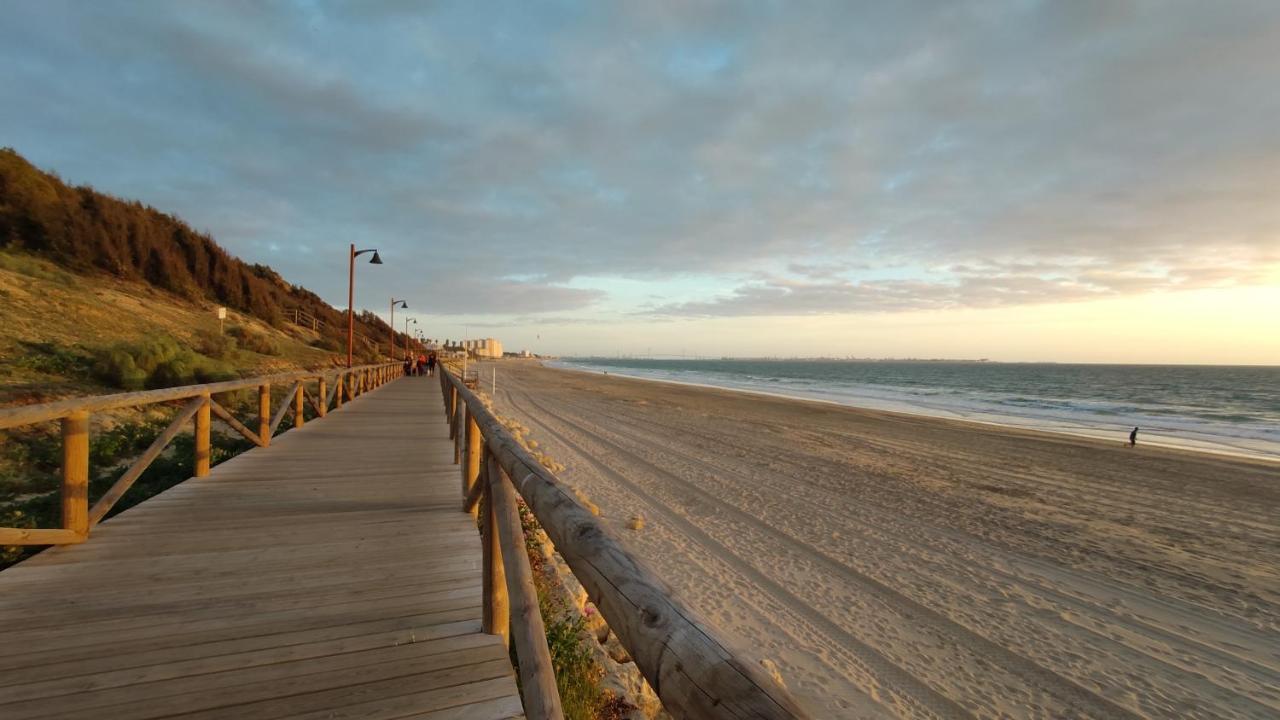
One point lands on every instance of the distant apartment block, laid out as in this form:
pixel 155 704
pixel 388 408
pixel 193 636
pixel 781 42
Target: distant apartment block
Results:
pixel 487 347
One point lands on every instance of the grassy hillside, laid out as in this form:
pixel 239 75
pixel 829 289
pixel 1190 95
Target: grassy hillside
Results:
pixel 85 232
pixel 55 325
pixel 100 295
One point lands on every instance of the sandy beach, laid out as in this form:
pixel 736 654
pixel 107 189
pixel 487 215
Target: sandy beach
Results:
pixel 897 566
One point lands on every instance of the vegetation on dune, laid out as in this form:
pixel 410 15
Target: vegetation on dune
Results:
pixel 85 231
pixel 160 362
pixel 578 675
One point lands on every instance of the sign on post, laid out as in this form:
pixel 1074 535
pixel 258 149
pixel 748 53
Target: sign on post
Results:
pixel 222 315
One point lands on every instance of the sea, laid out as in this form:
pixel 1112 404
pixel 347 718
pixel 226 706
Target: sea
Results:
pixel 1223 409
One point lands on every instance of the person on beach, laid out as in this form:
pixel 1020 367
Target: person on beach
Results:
pixel 1133 437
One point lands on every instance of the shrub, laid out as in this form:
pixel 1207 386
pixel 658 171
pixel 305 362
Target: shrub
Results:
pixel 215 344
pixel 32 267
pixel 117 367
pixel 326 343
pixel 53 359
pixel 254 341
pixel 159 361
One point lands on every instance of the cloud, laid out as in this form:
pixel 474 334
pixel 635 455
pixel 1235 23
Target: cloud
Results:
pixel 1106 148
pixel 990 286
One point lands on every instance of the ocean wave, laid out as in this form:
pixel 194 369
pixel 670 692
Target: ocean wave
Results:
pixel 1180 422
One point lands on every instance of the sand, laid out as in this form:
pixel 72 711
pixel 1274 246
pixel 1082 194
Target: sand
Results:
pixel 900 566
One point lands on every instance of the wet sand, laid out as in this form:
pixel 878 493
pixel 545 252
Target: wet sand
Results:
pixel 902 566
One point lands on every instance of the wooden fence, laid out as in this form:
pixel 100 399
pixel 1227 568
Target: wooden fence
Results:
pixel 332 389
pixel 694 673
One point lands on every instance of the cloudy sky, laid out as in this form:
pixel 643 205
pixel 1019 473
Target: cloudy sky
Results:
pixel 1017 180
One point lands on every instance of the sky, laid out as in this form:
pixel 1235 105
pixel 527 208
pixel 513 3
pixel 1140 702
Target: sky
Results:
pixel 1015 180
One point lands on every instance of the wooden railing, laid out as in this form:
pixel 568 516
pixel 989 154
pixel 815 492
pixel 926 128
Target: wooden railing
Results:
pixel 302 318
pixel 694 673
pixel 332 389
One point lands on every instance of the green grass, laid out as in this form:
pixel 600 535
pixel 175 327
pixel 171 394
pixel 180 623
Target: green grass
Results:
pixel 577 674
pixel 159 361
pixel 34 267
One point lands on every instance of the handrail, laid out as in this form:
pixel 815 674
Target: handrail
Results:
pixel 77 517
pixel 28 414
pixel 693 671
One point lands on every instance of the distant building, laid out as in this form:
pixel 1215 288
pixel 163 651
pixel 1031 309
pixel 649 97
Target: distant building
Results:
pixel 485 348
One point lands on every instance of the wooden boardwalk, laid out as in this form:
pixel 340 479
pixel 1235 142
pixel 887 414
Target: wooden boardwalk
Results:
pixel 331 575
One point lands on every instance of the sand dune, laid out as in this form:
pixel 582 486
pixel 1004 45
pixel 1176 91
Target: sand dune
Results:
pixel 897 566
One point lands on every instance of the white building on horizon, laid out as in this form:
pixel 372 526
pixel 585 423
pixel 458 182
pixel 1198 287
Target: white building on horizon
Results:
pixel 486 348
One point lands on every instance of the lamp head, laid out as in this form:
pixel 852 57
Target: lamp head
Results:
pixel 375 260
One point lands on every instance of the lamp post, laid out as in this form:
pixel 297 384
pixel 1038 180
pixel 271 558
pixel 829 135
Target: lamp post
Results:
pixel 351 296
pixel 392 325
pixel 406 333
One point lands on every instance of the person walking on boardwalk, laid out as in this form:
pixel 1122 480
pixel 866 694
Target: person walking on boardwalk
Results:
pixel 1133 437
pixel 408 365
pixel 422 364
pixel 431 365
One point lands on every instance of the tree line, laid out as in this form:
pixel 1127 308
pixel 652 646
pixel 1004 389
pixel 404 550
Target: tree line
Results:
pixel 87 231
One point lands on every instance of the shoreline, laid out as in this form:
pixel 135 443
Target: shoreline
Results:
pixel 892 565
pixel 1186 445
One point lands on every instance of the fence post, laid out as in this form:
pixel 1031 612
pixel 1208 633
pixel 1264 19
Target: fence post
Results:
pixel 337 394
pixel 324 397
pixel 471 464
pixel 264 414
pixel 75 472
pixel 497 608
pixel 537 675
pixel 202 438
pixel 459 417
pixel 299 403
pixel 453 412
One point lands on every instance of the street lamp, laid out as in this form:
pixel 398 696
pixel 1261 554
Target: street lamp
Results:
pixel 394 304
pixel 351 296
pixel 406 333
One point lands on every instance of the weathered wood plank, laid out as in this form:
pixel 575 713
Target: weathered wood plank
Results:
pixel 28 414
pixel 329 573
pixel 118 489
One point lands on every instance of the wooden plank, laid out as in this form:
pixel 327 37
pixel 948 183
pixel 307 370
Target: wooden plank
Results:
pixel 39 536
pixel 239 687
pixel 537 676
pixel 121 486
pixel 286 403
pixel 449 612
pixel 28 414
pixel 319 576
pixel 226 417
pixel 384 700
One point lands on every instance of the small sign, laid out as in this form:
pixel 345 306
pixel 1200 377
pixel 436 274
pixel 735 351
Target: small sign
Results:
pixel 222 313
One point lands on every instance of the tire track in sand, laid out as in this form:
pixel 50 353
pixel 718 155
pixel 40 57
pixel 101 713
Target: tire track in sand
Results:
pixel 1065 690
pixel 907 688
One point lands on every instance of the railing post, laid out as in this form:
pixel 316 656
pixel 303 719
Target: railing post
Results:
pixel 324 397
pixel 537 675
pixel 203 423
pixel 497 608
pixel 459 418
pixel 337 394
pixel 299 403
pixel 75 472
pixel 471 466
pixel 264 414
pixel 453 412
